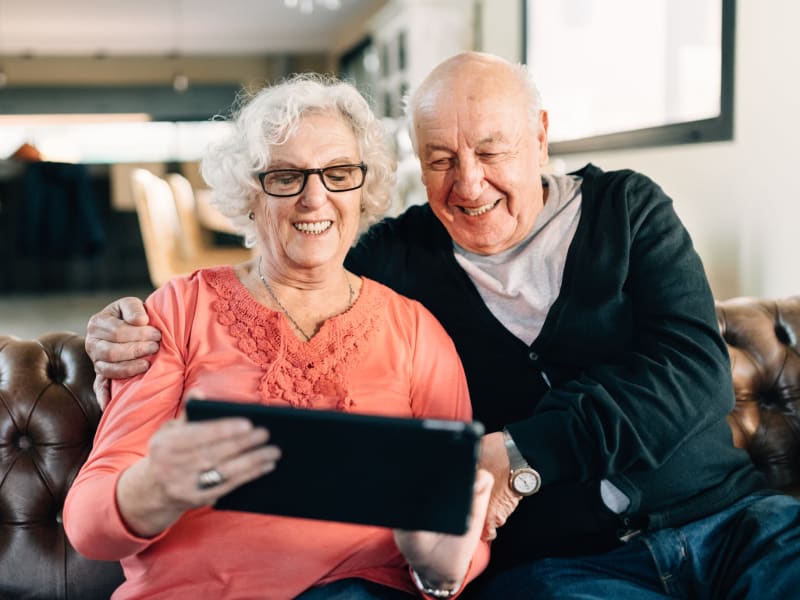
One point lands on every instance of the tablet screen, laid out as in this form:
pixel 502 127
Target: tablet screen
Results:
pixel 414 474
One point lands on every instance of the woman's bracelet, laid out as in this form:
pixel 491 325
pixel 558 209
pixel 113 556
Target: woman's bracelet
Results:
pixel 434 592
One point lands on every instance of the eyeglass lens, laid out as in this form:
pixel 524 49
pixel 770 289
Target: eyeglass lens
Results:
pixel 337 178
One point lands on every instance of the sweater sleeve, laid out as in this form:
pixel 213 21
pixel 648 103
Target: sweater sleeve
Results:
pixel 657 373
pixel 139 406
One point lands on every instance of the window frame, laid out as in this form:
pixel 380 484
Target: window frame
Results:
pixel 719 128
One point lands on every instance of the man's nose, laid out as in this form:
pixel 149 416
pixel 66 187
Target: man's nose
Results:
pixel 468 182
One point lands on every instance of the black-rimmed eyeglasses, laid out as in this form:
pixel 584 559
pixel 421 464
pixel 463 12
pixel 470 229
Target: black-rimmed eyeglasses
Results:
pixel 290 182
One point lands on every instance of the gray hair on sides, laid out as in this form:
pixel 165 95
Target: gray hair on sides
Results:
pixel 436 83
pixel 269 118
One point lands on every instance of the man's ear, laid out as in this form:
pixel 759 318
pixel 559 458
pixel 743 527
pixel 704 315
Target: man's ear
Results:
pixel 541 136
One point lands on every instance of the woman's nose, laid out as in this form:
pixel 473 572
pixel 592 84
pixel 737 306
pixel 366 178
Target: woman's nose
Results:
pixel 315 194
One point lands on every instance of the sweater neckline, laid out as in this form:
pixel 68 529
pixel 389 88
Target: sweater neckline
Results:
pixel 312 374
pixel 244 298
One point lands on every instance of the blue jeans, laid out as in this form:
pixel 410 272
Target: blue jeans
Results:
pixel 749 550
pixel 353 589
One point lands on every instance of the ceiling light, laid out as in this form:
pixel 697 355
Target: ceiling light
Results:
pixel 180 83
pixel 307 6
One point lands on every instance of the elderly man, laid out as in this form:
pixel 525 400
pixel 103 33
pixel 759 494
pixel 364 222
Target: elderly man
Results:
pixel 588 334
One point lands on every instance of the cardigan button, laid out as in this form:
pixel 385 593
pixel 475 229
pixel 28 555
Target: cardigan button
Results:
pixel 533 356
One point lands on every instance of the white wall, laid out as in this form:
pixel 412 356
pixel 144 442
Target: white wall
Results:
pixel 739 199
pixel 501 28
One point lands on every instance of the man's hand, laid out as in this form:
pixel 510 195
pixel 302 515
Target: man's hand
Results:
pixel 504 501
pixel 442 559
pixel 116 340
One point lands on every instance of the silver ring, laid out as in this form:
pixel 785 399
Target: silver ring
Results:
pixel 209 479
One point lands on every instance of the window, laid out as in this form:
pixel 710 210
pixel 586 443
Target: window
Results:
pixel 626 73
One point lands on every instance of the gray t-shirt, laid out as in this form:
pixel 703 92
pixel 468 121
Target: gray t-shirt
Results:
pixel 520 285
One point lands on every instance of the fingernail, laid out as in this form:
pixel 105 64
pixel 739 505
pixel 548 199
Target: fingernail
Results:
pixel 243 425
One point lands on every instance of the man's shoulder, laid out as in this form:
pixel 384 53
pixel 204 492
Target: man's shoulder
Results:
pixel 415 224
pixel 413 217
pixel 594 175
pixel 626 186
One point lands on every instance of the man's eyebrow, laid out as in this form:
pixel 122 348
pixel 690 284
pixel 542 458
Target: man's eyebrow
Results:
pixel 497 136
pixel 434 147
pixel 493 137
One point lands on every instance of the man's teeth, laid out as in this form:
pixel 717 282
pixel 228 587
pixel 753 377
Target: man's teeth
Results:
pixel 474 212
pixel 317 227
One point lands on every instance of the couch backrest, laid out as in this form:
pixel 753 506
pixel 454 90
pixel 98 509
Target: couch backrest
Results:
pixel 48 416
pixel 763 338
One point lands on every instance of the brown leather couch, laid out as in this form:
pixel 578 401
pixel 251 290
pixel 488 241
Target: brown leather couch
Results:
pixel 48 415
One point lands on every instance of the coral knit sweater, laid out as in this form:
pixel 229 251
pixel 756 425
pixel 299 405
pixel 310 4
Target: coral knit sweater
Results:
pixel 387 355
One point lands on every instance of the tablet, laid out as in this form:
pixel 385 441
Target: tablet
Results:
pixel 414 474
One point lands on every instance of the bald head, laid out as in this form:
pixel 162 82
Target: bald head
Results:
pixel 472 75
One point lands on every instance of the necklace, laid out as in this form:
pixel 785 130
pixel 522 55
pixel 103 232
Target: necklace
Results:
pixel 286 312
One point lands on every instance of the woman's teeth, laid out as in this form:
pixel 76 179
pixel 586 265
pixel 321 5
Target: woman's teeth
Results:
pixel 474 212
pixel 316 228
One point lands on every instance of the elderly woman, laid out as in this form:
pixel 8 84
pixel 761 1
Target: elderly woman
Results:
pixel 303 171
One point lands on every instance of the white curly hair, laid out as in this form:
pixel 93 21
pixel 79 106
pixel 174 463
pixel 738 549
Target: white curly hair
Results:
pixel 269 118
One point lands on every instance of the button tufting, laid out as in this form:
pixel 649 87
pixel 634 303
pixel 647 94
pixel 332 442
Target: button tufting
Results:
pixel 24 442
pixel 56 371
pixel 785 335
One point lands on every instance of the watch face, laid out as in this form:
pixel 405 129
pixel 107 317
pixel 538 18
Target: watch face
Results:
pixel 525 482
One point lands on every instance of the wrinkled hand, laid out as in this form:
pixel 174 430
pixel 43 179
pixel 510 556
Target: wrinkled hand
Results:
pixel 116 340
pixel 154 492
pixel 504 501
pixel 443 559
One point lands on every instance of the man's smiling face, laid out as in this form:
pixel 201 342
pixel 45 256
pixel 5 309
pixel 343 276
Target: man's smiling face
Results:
pixel 481 156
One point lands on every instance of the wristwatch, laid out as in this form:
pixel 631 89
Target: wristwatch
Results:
pixel 523 479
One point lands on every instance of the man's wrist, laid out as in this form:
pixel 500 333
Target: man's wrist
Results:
pixel 436 590
pixel 523 479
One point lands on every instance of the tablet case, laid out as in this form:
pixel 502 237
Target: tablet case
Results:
pixel 414 474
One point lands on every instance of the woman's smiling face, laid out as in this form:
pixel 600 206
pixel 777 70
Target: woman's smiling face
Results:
pixel 317 227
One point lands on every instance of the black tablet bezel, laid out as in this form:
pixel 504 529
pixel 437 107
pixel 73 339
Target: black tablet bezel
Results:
pixel 414 474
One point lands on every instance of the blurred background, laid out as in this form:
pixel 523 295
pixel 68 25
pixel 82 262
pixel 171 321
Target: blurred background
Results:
pixel 107 105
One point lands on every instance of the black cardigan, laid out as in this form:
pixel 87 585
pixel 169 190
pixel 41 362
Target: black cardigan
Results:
pixel 641 381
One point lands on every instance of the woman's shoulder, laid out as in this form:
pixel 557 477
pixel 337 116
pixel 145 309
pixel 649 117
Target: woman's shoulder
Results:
pixel 199 287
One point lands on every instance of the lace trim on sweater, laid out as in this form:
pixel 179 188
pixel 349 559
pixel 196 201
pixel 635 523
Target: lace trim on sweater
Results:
pixel 313 374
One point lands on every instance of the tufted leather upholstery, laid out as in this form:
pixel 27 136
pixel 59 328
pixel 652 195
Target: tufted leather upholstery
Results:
pixel 763 338
pixel 48 415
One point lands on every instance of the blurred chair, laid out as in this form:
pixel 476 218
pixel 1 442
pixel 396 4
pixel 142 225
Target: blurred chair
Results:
pixel 199 220
pixel 210 218
pixel 120 176
pixel 172 239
